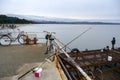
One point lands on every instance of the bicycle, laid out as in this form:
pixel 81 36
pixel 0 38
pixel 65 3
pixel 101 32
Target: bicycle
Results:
pixel 7 38
pixel 9 26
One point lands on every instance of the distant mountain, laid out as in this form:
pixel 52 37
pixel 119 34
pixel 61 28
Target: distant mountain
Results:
pixel 8 20
pixel 42 18
pixel 54 20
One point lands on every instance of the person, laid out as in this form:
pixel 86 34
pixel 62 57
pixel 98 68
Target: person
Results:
pixel 49 43
pixel 113 42
pixel 107 48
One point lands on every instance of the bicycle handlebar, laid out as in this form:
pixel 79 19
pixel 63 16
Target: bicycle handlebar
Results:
pixel 49 32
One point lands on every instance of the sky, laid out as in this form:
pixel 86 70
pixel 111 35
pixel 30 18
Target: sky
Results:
pixel 75 9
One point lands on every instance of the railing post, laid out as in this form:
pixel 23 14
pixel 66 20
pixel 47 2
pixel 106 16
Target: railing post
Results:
pixel 57 52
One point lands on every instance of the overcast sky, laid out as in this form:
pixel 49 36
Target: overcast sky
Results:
pixel 78 9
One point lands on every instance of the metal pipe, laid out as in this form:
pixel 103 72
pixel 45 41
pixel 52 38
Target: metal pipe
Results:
pixel 62 43
pixel 65 69
pixel 76 65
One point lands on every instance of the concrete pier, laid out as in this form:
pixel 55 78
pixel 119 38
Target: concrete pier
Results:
pixel 13 57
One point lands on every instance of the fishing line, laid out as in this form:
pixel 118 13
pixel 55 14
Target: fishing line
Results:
pixel 76 37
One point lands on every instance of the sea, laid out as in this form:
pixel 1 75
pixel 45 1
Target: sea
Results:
pixel 97 37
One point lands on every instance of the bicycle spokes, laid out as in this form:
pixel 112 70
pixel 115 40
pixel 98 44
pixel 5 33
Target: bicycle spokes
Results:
pixel 22 39
pixel 5 40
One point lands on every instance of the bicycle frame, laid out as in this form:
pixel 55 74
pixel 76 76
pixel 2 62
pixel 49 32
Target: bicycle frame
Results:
pixel 6 38
pixel 16 38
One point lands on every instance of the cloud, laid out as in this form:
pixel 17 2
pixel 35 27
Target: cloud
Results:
pixel 63 8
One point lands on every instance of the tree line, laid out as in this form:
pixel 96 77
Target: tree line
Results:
pixel 10 20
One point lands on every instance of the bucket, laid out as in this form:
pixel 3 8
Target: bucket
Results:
pixel 37 72
pixel 109 58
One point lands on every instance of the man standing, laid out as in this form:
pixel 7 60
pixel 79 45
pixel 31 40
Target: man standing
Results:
pixel 113 42
pixel 49 42
pixel 47 37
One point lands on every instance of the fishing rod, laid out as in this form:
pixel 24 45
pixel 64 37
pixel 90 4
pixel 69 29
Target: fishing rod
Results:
pixel 76 37
pixel 32 69
pixel 57 39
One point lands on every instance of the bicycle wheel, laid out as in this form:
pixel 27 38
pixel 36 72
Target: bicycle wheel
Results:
pixel 5 40
pixel 22 39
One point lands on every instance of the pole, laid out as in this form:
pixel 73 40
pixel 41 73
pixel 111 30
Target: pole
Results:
pixel 76 65
pixel 76 37
pixel 65 46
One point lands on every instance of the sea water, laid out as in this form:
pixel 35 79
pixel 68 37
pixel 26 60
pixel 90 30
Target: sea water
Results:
pixel 98 37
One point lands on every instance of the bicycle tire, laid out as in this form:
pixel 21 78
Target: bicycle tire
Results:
pixel 22 39
pixel 5 40
pixel 0 27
